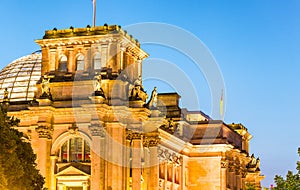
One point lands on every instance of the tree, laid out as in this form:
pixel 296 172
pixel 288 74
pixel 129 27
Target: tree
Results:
pixel 250 186
pixel 292 181
pixel 17 160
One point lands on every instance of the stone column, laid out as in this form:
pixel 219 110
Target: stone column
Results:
pixel 122 50
pixel 61 186
pixel 52 61
pixel 52 172
pixel 136 164
pixel 231 177
pixel 139 67
pixel 71 64
pixel 154 165
pixel 97 154
pixel 115 140
pixel 104 55
pixel 85 186
pixel 238 181
pixel 43 156
pixel 87 59
pixel 223 180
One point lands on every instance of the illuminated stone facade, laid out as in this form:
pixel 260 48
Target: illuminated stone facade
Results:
pixel 83 107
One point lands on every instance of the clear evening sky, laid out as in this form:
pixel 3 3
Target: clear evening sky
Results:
pixel 255 42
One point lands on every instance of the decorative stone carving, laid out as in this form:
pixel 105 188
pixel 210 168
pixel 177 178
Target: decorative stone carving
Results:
pixel 224 164
pixel 98 87
pixel 170 126
pixel 254 164
pixel 44 131
pixel 97 129
pixel 171 157
pixel 46 94
pixel 73 129
pixel 5 97
pixel 150 141
pixel 131 135
pixel 136 91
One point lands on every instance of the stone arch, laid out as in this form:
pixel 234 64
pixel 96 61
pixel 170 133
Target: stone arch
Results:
pixel 66 136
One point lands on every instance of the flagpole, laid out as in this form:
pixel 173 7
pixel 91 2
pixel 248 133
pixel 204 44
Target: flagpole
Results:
pixel 222 105
pixel 94 13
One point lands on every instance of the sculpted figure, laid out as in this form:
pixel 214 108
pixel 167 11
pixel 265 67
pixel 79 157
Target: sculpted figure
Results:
pixel 153 100
pixel 5 97
pixel 137 92
pixel 45 85
pixel 97 86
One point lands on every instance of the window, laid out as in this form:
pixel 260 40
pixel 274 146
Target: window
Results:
pixel 80 63
pixel 75 150
pixel 63 64
pixel 97 61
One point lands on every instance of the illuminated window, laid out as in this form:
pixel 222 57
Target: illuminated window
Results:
pixel 63 64
pixel 97 61
pixel 75 150
pixel 80 63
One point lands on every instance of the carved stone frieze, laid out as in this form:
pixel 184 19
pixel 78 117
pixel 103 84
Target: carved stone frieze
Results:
pixel 169 156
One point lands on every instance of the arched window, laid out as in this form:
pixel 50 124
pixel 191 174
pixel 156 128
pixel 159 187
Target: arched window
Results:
pixel 63 64
pixel 75 150
pixel 97 61
pixel 80 63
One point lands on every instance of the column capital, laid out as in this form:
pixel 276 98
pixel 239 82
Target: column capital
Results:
pixel 133 135
pixel 151 141
pixel 97 128
pixel 224 163
pixel 44 131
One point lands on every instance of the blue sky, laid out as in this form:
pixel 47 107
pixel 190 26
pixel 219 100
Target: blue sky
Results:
pixel 255 43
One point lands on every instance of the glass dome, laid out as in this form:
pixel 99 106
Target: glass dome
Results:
pixel 20 77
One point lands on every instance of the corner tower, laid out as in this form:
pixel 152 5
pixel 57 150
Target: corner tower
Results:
pixel 81 54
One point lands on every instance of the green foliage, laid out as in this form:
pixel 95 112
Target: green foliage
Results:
pixel 250 186
pixel 17 160
pixel 292 181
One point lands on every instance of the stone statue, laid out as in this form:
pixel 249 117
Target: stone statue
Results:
pixel 138 81
pixel 46 87
pixel 98 86
pixel 254 164
pixel 253 160
pixel 136 91
pixel 257 163
pixel 153 99
pixel 5 97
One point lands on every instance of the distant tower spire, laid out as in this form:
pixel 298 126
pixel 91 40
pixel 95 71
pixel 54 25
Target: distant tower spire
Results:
pixel 94 13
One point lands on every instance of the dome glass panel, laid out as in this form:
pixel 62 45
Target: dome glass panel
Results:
pixel 20 78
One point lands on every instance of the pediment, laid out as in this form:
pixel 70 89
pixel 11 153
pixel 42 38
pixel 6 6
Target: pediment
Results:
pixel 71 170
